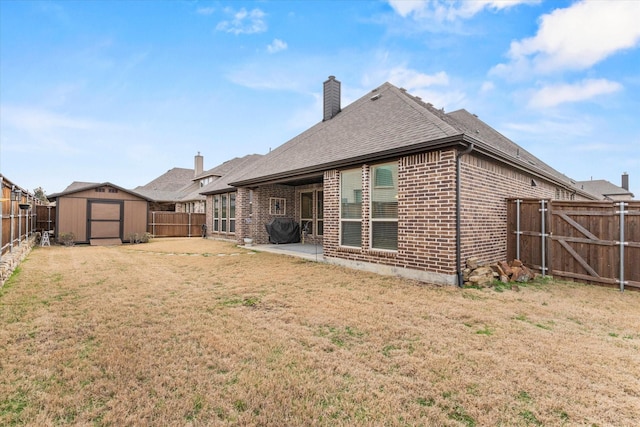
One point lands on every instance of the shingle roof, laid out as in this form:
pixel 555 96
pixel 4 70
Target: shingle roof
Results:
pixel 389 122
pixel 383 120
pixel 78 186
pixel 471 125
pixel 170 186
pixel 603 188
pixel 172 180
pixel 228 172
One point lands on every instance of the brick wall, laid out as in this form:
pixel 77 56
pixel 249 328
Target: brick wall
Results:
pixel 427 211
pixel 260 207
pixel 426 216
pixel 485 186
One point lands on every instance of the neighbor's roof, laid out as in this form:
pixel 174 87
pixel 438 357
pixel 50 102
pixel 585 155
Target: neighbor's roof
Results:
pixel 389 122
pixel 383 121
pixel 603 188
pixel 77 186
pixel 168 186
pixel 228 172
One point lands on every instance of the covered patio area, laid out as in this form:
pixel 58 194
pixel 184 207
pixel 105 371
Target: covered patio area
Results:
pixel 309 251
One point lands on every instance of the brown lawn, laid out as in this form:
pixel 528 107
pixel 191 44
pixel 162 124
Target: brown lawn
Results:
pixel 200 332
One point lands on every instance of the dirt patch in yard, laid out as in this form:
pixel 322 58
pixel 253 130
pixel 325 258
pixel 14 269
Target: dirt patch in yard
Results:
pixel 201 332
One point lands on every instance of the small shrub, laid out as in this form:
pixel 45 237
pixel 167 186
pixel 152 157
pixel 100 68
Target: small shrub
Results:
pixel 67 239
pixel 139 238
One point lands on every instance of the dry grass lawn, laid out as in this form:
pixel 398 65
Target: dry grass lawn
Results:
pixel 200 332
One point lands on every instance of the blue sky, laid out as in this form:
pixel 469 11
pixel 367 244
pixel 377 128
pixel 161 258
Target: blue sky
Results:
pixel 122 91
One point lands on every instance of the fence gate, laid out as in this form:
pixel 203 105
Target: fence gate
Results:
pixel 594 242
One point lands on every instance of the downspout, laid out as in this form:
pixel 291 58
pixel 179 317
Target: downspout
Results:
pixel 458 209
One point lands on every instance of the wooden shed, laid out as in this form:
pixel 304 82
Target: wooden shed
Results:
pixel 100 214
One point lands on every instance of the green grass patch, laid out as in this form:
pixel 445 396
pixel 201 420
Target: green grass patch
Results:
pixel 485 331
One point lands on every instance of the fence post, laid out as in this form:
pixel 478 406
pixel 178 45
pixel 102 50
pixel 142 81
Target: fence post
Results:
pixel 518 232
pixel 153 222
pixel 543 236
pixel 622 244
pixel 11 216
pixel 189 229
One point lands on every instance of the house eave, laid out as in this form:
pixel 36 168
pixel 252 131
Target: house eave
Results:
pixel 521 165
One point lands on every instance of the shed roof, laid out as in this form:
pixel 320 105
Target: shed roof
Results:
pixel 77 186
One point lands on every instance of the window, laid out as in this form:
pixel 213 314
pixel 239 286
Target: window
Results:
pixel 216 213
pixel 384 207
pixel 351 208
pixel 232 212
pixel 277 206
pixel 320 213
pixel 224 213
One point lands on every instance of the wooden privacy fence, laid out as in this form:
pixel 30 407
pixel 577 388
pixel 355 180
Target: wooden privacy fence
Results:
pixel 175 224
pixel 594 242
pixel 17 215
pixel 45 218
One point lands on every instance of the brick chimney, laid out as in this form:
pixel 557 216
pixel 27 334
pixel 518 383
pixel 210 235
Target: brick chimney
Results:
pixel 331 98
pixel 625 181
pixel 198 164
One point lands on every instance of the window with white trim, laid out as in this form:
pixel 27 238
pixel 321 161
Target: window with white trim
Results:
pixel 351 208
pixel 277 206
pixel 384 206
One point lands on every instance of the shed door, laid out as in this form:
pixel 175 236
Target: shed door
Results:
pixel 105 220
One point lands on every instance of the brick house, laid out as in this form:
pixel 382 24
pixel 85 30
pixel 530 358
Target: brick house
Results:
pixel 393 185
pixel 221 197
pixel 178 189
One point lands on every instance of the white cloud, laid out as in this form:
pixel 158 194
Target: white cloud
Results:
pixel 553 95
pixel 575 38
pixel 422 85
pixel 411 79
pixel 487 87
pixel 46 130
pixel 277 45
pixel 441 10
pixel 244 22
pixel 205 10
